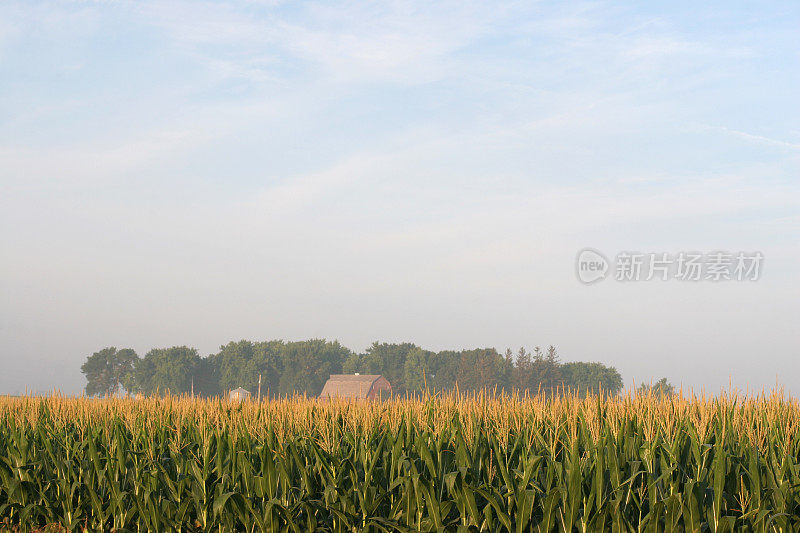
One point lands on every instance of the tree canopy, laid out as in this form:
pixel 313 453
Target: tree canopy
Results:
pixel 662 387
pixel 307 365
pixel 239 364
pixel 287 368
pixel 591 378
pixel 109 371
pixel 168 370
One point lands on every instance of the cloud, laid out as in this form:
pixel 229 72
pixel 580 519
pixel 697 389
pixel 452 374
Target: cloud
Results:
pixel 298 193
pixel 90 165
pixel 650 47
pixel 345 42
pixel 759 139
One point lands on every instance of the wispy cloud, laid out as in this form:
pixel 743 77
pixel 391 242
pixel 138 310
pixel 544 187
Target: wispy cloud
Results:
pixel 759 139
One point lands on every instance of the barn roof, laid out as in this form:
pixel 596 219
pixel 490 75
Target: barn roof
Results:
pixel 349 385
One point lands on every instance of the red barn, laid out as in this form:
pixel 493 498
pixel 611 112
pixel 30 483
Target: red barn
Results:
pixel 356 386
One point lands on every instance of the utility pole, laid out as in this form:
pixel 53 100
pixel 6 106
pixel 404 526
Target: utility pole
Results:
pixel 192 386
pixel 259 387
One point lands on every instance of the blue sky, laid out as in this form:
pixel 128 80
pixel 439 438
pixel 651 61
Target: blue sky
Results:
pixel 198 172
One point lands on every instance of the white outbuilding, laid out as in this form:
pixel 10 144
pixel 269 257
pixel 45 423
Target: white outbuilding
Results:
pixel 239 394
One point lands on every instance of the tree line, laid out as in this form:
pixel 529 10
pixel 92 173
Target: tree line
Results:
pixel 302 367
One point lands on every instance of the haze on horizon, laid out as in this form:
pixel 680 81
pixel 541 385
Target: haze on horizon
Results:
pixel 199 172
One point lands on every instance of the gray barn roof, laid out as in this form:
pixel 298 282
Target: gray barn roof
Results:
pixel 349 385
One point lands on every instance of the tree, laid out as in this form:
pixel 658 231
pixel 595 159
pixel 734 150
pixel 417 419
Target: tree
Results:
pixel 267 363
pixel 590 378
pixel 303 367
pixel 353 364
pixel 547 370
pixel 662 387
pixel 537 372
pixel 522 378
pixel 479 369
pixel 389 360
pixel 307 365
pixel 508 370
pixel 168 370
pixel 239 364
pixel 443 369
pixel 109 370
pixel 416 371
pixel 206 378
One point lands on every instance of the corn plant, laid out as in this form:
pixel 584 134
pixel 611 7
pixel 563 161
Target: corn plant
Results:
pixel 437 463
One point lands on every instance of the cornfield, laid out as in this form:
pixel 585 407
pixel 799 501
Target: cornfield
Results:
pixel 445 463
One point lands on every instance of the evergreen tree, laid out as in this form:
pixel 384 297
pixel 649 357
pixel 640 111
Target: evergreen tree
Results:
pixel 508 370
pixel 523 378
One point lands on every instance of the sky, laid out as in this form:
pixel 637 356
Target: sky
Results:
pixel 191 173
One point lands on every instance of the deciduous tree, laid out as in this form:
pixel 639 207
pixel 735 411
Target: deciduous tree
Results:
pixel 590 378
pixel 167 370
pixel 110 370
pixel 662 387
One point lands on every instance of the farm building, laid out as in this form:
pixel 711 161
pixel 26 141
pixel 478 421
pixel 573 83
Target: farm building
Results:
pixel 239 394
pixel 356 386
